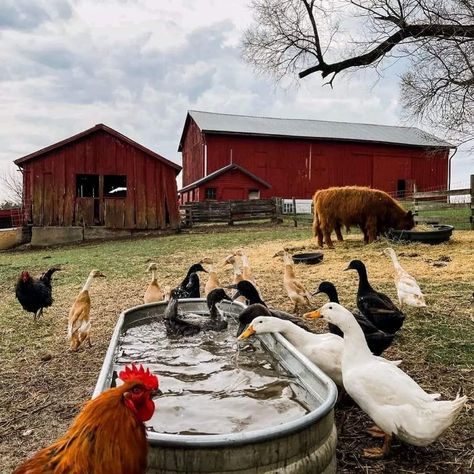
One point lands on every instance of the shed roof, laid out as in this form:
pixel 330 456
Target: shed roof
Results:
pixel 225 169
pixel 89 131
pixel 298 128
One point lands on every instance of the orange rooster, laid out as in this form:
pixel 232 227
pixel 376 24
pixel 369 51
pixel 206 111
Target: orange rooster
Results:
pixel 108 436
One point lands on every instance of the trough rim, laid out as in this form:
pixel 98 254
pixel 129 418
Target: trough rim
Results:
pixel 231 439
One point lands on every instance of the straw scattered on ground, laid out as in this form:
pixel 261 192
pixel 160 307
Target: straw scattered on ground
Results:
pixel 42 384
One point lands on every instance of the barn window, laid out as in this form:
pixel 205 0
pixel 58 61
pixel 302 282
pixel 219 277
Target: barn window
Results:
pixel 115 186
pixel 87 185
pixel 254 194
pixel 210 193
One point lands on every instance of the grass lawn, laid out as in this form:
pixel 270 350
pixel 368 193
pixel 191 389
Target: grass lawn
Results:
pixel 39 398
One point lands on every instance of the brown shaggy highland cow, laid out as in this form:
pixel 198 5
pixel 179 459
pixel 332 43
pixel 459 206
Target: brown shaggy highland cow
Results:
pixel 372 210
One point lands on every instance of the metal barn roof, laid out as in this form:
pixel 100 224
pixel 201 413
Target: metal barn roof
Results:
pixel 298 128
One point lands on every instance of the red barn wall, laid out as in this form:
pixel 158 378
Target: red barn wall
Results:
pixel 296 167
pixel 50 185
pixel 230 186
pixel 193 152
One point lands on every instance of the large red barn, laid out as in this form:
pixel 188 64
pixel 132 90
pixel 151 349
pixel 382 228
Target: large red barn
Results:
pixel 102 178
pixel 297 157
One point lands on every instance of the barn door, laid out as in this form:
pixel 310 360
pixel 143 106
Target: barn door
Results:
pixel 88 210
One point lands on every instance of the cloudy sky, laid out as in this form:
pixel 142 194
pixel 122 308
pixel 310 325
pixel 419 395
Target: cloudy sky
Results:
pixel 138 65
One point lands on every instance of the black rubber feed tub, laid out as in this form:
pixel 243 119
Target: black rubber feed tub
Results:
pixel 440 233
pixel 309 258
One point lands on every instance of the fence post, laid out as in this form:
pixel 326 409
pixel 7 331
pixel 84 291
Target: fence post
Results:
pixel 415 200
pixel 278 211
pixel 295 221
pixel 231 221
pixel 189 216
pixel 472 202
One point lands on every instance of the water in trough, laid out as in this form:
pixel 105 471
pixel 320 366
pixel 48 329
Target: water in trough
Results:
pixel 209 386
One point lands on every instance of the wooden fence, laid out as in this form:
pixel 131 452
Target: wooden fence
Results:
pixel 438 206
pixel 230 211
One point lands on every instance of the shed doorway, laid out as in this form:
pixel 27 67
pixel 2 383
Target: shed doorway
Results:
pixel 401 188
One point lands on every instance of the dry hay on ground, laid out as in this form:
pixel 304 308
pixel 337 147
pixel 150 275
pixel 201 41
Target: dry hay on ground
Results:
pixel 39 398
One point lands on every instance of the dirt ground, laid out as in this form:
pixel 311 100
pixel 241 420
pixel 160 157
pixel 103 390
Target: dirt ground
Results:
pixel 43 384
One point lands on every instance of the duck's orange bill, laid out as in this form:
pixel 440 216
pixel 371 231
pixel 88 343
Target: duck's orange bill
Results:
pixel 247 333
pixel 312 315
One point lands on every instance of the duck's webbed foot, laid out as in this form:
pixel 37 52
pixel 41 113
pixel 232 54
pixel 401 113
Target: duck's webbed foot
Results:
pixel 376 432
pixel 379 453
pixel 373 453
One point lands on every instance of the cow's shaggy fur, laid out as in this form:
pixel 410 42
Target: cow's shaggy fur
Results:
pixel 372 210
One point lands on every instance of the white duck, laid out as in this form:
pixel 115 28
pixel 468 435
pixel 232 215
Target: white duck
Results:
pixel 394 401
pixel 324 350
pixel 407 288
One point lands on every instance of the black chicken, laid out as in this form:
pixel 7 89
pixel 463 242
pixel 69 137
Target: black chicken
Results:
pixel 35 294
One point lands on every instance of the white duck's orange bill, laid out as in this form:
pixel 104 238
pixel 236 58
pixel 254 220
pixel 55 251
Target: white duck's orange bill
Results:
pixel 312 315
pixel 247 333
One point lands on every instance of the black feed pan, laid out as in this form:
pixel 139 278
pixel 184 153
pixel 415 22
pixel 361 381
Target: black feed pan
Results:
pixel 440 233
pixel 308 258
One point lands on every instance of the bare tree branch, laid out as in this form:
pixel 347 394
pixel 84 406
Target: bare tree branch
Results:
pixel 408 31
pixel 435 38
pixel 13 183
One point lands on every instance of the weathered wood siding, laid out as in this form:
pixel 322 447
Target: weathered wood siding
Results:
pixel 193 153
pixel 50 186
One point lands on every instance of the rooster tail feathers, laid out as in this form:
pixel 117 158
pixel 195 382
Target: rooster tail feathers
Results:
pixel 46 276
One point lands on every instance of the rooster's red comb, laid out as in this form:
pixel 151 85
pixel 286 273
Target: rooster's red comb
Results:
pixel 140 374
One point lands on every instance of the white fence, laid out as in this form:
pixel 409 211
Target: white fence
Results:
pixel 303 206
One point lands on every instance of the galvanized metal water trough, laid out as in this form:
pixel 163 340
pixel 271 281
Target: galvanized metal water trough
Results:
pixel 304 445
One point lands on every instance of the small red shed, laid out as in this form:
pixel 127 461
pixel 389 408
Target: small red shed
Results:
pixel 99 177
pixel 298 157
pixel 232 182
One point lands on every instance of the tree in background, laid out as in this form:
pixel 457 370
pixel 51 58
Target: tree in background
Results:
pixel 12 183
pixel 328 37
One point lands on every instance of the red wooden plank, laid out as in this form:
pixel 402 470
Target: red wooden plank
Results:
pixel 159 196
pixel 140 190
pixel 127 165
pixel 150 193
pixel 171 198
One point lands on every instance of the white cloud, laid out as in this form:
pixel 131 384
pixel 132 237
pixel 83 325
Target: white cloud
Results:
pixel 137 66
